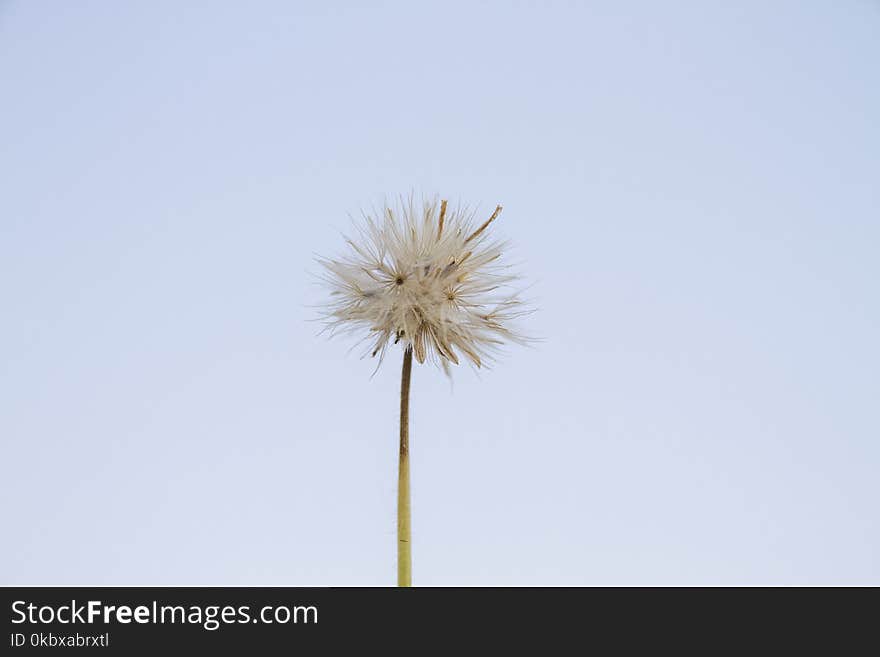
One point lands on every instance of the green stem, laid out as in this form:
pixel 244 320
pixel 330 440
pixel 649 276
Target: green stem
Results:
pixel 404 551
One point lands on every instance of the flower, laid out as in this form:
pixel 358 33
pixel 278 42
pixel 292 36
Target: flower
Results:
pixel 431 280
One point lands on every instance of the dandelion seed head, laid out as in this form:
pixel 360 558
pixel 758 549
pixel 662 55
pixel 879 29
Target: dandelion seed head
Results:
pixel 430 279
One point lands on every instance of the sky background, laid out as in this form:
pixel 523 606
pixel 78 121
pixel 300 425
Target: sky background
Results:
pixel 692 188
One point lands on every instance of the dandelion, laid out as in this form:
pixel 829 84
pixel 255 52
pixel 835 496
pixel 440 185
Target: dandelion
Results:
pixel 433 282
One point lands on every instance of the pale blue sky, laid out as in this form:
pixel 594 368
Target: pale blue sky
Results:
pixel 692 187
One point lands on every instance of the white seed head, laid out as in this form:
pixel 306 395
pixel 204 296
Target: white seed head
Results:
pixel 431 280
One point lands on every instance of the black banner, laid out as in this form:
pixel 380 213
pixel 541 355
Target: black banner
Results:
pixel 243 620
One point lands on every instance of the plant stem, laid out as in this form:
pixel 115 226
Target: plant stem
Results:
pixel 404 552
